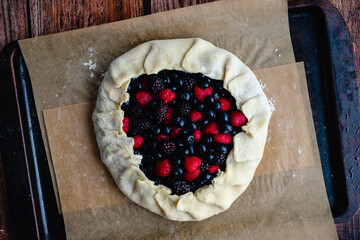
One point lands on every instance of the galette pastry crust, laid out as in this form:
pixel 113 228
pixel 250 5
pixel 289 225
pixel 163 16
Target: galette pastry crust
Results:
pixel 190 55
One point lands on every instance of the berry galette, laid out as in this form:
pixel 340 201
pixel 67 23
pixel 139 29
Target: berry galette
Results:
pixel 181 126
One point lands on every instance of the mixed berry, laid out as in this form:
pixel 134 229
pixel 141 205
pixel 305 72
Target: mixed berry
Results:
pixel 183 125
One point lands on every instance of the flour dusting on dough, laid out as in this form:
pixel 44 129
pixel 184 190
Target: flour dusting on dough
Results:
pixel 262 85
pixel 272 104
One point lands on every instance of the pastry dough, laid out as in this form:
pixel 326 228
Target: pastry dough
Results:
pixel 190 55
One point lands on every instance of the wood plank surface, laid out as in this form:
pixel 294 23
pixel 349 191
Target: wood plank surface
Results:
pixel 13 21
pixel 49 17
pixel 20 19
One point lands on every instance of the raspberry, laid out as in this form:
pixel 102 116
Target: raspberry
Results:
pixel 161 137
pixel 181 187
pixel 168 147
pixel 212 128
pixel 200 94
pixel 189 83
pixel 157 84
pixel 190 176
pixel 213 169
pixel 138 141
pixel 185 109
pixel 143 98
pixel 169 115
pixel 167 95
pixel 125 126
pixel 195 116
pixel 175 131
pixel 197 135
pixel 225 104
pixel 237 119
pixel 223 138
pixel 163 168
pixel 191 163
pixel 160 111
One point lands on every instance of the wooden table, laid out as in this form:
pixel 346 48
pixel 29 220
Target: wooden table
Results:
pixel 30 18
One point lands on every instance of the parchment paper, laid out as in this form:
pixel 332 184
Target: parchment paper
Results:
pixel 66 68
pixel 285 200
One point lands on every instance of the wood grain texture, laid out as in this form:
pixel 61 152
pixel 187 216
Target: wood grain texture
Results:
pixel 49 17
pixel 164 5
pixel 13 21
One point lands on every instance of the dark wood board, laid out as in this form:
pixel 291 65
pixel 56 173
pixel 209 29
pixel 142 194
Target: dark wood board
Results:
pixel 21 19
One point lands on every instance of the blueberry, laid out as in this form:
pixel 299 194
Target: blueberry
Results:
pixel 221 148
pixel 209 114
pixel 205 179
pixel 204 85
pixel 233 132
pixel 137 152
pixel 173 88
pixel 201 149
pixel 185 96
pixel 125 106
pixel 148 158
pixel 226 128
pixel 131 133
pixel 136 86
pixel 209 100
pixel 154 145
pixel 155 130
pixel 216 105
pixel 150 169
pixel 199 107
pixel 158 156
pixel 223 116
pixel 172 103
pixel 180 83
pixel 174 74
pixel 178 172
pixel 207 139
pixel 179 122
pixel 180 145
pixel 210 157
pixel 177 162
pixel 191 149
pixel 205 122
pixel 186 152
pixel 191 126
pixel 216 95
pixel 194 101
pixel 190 138
pixel 166 129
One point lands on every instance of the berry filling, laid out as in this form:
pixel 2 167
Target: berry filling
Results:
pixel 183 125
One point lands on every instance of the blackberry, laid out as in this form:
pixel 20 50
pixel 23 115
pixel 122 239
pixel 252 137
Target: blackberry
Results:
pixel 219 159
pixel 181 187
pixel 157 84
pixel 168 147
pixel 185 109
pixel 141 125
pixel 160 111
pixel 204 166
pixel 189 83
pixel 136 111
